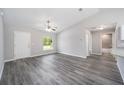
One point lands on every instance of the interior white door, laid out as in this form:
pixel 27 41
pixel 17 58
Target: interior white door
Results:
pixel 22 43
pixel 87 44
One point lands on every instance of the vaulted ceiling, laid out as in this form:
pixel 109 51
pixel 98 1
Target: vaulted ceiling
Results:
pixel 36 17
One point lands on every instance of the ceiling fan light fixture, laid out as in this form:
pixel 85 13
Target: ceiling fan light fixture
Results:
pixel 50 28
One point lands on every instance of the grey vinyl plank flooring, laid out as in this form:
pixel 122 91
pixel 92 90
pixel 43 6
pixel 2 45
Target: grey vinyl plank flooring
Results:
pixel 61 69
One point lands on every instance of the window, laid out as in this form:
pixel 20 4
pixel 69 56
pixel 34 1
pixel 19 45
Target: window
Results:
pixel 47 43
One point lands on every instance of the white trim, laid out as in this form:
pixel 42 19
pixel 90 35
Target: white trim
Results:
pixel 29 57
pixel 100 44
pixel 97 53
pixel 9 60
pixel 72 55
pixel 1 70
pixel 106 50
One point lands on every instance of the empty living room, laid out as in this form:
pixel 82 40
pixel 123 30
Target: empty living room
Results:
pixel 61 46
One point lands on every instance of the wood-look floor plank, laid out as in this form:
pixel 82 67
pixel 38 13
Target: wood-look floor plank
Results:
pixel 60 69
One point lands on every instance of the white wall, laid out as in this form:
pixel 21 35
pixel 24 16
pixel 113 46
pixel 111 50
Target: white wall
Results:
pixel 1 45
pixel 36 41
pixel 89 42
pixel 72 41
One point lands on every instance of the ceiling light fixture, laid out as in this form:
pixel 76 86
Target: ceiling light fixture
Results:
pixel 101 27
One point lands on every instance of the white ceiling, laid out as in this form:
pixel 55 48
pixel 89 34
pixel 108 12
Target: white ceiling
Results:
pixel 36 17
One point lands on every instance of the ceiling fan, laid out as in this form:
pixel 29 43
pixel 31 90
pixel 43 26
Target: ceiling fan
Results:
pixel 50 28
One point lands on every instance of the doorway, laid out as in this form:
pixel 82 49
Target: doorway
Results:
pixel 22 44
pixel 106 43
pixel 103 41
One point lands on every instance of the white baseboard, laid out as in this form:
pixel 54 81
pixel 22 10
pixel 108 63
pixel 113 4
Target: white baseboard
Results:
pixel 9 60
pixel 29 56
pixel 106 50
pixel 1 70
pixel 72 55
pixel 97 53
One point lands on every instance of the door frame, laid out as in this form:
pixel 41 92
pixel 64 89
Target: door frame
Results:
pixel 14 44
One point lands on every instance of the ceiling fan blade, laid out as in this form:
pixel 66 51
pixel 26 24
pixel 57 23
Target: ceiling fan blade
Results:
pixel 54 29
